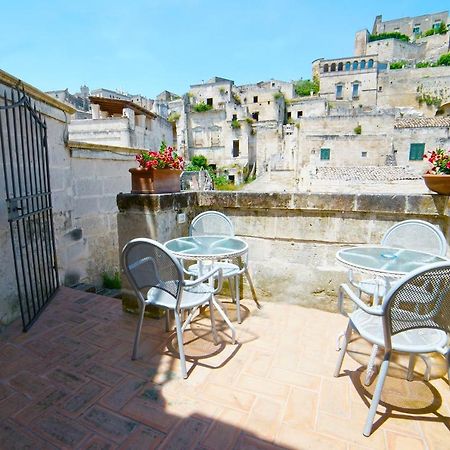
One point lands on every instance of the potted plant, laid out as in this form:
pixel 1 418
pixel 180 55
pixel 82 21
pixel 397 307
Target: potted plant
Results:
pixel 437 176
pixel 158 172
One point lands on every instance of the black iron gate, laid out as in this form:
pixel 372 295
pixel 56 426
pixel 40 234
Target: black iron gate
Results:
pixel 24 152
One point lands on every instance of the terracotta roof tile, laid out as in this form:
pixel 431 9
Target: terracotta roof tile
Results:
pixel 422 122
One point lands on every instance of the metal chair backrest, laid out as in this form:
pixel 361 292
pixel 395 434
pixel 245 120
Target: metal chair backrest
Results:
pixel 148 264
pixel 416 235
pixel 212 223
pixel 419 300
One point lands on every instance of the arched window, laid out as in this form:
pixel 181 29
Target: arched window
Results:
pixel 355 65
pixel 347 65
pixel 333 67
pixel 340 66
pixel 325 68
pixel 370 63
pixel 362 64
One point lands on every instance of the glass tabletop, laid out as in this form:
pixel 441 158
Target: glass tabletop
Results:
pixel 386 260
pixel 197 247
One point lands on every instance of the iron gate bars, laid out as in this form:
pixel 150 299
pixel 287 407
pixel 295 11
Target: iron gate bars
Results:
pixel 25 159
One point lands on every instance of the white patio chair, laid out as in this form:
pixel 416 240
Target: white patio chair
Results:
pixel 157 279
pixel 414 318
pixel 215 223
pixel 411 234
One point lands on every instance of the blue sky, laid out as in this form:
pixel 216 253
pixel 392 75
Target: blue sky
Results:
pixel 145 47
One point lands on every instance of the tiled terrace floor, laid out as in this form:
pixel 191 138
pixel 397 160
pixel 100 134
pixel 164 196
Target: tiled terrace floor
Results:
pixel 69 383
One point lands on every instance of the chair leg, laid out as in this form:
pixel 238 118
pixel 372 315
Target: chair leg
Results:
pixel 138 331
pixel 252 288
pixel 213 321
pixel 226 319
pixel 412 363
pixel 371 366
pixel 377 394
pixel 180 344
pixel 238 298
pixel 346 338
pixel 189 318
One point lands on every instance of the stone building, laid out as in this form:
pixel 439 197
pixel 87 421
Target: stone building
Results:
pixel 122 123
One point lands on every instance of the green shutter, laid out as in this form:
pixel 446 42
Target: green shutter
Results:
pixel 325 153
pixel 416 152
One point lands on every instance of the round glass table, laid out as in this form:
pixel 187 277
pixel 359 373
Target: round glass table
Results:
pixel 207 247
pixel 385 261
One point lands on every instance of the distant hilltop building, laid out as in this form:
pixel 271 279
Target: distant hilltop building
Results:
pixel 385 105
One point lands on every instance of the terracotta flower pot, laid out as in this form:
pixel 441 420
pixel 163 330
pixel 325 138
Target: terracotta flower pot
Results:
pixel 155 181
pixel 438 183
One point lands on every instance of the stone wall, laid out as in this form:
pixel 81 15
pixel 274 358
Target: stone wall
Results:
pixel 292 238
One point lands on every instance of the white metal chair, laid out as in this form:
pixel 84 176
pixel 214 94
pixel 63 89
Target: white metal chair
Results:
pixel 215 223
pixel 411 234
pixel 414 318
pixel 157 279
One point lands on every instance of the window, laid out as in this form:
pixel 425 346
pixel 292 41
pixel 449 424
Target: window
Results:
pixel 273 84
pixel 355 90
pixel 339 89
pixel 234 117
pixel 363 154
pixel 380 88
pixel 362 64
pixel 209 101
pixel 416 29
pixel 235 149
pixel 325 68
pixel 325 154
pixel 333 67
pixel 299 114
pixel 289 115
pixel 436 25
pixel 340 66
pixel 416 152
pixel 355 65
pixel 370 64
pixel 255 116
pixel 255 99
pixel 215 136
pixel 347 66
pixel 198 137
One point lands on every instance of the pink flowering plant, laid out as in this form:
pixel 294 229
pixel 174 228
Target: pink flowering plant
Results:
pixel 439 162
pixel 165 158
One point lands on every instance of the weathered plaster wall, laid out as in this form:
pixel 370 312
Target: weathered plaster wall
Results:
pixel 293 238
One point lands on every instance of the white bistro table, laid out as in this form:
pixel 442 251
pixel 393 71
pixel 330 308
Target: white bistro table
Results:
pixel 206 250
pixel 385 264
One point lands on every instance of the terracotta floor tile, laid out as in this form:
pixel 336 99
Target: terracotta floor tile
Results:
pixel 265 418
pixel 263 386
pixel 297 438
pixel 301 409
pixel 225 431
pixel 335 397
pixel 397 441
pixel 295 378
pixel 235 398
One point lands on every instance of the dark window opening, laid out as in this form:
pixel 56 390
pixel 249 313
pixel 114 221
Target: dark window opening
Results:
pixel 340 67
pixel 289 115
pixel 325 68
pixel 380 88
pixel 255 116
pixel 209 101
pixel 231 178
pixel 333 67
pixel 212 166
pixel 234 117
pixel 299 114
pixel 324 154
pixel 416 152
pixel 255 99
pixel 235 149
